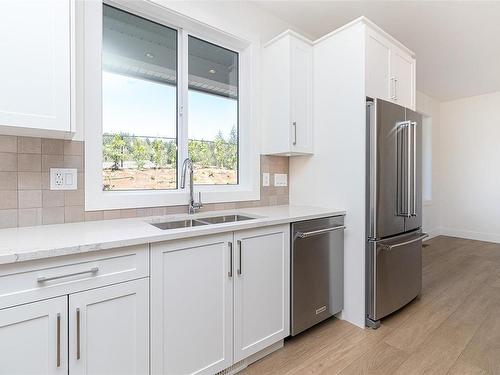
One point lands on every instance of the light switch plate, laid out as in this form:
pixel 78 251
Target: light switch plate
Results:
pixel 280 179
pixel 63 179
pixel 265 179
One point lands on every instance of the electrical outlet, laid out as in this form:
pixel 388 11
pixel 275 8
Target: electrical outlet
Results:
pixel 280 179
pixel 265 179
pixel 63 179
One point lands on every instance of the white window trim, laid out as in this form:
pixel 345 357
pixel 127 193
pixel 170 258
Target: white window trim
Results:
pixel 249 159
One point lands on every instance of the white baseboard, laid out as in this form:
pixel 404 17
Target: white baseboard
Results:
pixel 244 363
pixel 433 233
pixel 471 235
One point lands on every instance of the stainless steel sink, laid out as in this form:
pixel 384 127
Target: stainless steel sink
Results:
pixel 224 219
pixel 200 221
pixel 179 224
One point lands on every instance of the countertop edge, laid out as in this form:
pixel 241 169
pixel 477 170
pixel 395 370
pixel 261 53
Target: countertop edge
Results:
pixel 9 257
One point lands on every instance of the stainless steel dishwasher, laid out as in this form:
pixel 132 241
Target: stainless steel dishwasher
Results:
pixel 317 274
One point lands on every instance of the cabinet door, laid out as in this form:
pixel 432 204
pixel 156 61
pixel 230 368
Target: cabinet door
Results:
pixel 35 72
pixel 262 289
pixel 378 77
pixel 276 121
pixel 109 330
pixel 301 96
pixel 191 317
pixel 403 70
pixel 34 338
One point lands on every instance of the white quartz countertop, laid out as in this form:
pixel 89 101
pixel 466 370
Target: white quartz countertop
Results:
pixel 23 244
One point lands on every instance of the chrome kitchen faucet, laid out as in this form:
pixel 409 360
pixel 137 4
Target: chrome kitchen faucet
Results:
pixel 193 206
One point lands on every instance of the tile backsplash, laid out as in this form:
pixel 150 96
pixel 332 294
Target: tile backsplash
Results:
pixel 25 198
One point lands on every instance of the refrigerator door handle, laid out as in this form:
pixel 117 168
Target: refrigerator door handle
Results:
pixel 414 187
pixel 399 169
pixel 372 129
pixel 403 197
pixel 408 169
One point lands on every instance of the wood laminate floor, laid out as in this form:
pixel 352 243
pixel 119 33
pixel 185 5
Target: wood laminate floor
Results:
pixel 452 328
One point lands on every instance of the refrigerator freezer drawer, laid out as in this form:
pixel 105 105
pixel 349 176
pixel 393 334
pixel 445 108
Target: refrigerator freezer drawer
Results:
pixel 395 275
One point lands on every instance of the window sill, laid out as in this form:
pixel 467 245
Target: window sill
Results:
pixel 111 200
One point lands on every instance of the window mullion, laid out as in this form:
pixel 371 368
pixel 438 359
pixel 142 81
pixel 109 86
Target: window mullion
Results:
pixel 182 125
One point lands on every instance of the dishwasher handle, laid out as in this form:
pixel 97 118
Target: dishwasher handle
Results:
pixel 318 232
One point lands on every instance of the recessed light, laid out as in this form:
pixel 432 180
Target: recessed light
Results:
pixel 212 71
pixel 149 55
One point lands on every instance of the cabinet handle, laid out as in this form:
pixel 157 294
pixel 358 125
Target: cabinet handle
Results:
pixel 239 257
pixel 58 338
pixel 43 279
pixel 77 334
pixel 392 87
pixel 294 124
pixel 395 88
pixel 230 273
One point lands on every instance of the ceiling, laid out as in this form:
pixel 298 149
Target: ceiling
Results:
pixel 457 44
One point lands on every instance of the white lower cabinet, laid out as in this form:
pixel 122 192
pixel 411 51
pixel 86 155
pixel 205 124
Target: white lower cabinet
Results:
pixel 108 333
pixel 210 302
pixel 108 330
pixel 191 313
pixel 34 338
pixel 261 289
pixel 218 299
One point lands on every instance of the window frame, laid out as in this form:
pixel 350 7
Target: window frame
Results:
pixel 248 187
pixel 237 108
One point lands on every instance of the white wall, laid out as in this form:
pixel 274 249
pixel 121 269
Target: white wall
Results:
pixel 469 156
pixel 430 109
pixel 335 176
pixel 240 18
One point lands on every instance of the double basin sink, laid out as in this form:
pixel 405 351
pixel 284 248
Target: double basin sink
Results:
pixel 201 221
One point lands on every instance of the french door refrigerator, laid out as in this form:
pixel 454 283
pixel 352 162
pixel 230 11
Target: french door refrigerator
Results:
pixel 394 208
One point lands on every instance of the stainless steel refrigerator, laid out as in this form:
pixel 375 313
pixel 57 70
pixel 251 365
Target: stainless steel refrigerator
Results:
pixel 394 208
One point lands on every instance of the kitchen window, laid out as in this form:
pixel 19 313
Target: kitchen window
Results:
pixel 139 103
pixel 213 112
pixel 170 89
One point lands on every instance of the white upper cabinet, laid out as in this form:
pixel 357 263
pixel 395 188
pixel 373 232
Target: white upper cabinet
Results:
pixel 403 78
pixel 35 69
pixel 287 95
pixel 390 69
pixel 378 67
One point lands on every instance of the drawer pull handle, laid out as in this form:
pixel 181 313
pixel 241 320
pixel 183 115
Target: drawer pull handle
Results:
pixel 43 279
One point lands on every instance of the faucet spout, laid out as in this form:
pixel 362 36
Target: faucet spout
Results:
pixel 193 206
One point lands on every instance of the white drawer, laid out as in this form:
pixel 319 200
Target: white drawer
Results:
pixel 35 280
